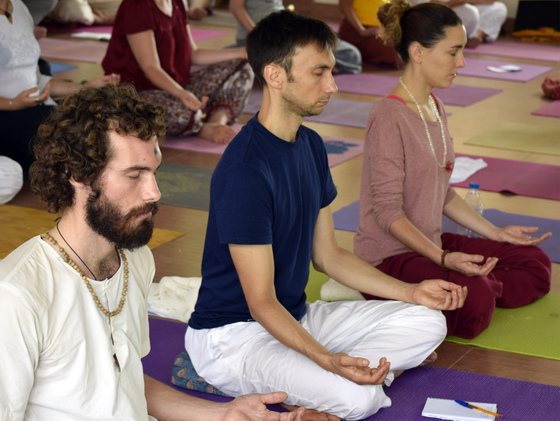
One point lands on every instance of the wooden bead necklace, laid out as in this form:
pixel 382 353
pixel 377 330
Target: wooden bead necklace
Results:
pixel 74 266
pixel 449 165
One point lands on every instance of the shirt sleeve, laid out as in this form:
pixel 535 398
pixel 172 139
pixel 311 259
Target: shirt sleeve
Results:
pixel 20 341
pixel 243 207
pixel 384 151
pixel 134 16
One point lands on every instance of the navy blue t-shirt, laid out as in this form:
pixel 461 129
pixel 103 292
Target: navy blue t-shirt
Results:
pixel 264 190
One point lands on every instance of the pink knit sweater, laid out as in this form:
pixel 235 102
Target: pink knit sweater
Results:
pixel 400 177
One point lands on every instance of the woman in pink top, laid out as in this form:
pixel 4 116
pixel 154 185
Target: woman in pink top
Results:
pixel 408 158
pixel 151 47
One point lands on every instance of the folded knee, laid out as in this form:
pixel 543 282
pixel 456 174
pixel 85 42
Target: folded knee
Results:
pixel 360 402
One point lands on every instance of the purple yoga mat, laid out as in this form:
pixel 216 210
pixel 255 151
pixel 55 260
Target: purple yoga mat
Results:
pixel 371 84
pixel 479 68
pixel 338 149
pixel 549 110
pixel 347 219
pixel 337 111
pixel 517 400
pixel 533 51
pixel 518 177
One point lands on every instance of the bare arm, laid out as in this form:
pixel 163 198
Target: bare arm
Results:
pixel 166 403
pixel 255 268
pixel 237 9
pixel 345 7
pixel 204 57
pixel 459 211
pixel 144 49
pixel 57 88
pixel 353 272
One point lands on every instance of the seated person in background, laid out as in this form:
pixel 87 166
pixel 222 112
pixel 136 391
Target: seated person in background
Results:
pixel 26 95
pixel 73 309
pixel 252 330
pixel 360 27
pixel 85 12
pixel 151 47
pixel 483 19
pixel 408 158
pixel 199 9
pixel 249 12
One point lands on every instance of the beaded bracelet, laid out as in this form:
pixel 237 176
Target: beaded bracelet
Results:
pixel 445 253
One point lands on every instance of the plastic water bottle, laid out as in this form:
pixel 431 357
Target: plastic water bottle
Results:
pixel 473 200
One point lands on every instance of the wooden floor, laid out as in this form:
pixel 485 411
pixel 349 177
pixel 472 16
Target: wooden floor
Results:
pixel 182 257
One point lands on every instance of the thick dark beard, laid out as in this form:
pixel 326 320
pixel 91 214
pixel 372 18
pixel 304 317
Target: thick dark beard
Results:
pixel 105 219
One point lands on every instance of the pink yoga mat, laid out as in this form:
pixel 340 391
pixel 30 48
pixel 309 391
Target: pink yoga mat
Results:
pixel 372 84
pixel 65 49
pixel 522 178
pixel 549 110
pixel 338 149
pixel 197 34
pixel 479 68
pixel 533 51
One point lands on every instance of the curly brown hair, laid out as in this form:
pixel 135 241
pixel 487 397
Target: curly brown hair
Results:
pixel 73 140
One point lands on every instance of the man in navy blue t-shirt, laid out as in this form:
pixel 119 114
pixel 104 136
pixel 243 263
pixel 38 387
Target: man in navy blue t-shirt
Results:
pixel 252 330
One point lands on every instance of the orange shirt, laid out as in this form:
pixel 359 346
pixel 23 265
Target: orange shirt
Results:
pixel 366 10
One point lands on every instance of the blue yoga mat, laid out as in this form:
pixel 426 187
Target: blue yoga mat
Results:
pixel 59 67
pixel 347 218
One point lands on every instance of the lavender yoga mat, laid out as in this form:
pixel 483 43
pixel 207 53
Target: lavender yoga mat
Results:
pixel 337 111
pixel 371 84
pixel 549 110
pixel 347 219
pixel 523 178
pixel 517 400
pixel 479 68
pixel 338 149
pixel 532 51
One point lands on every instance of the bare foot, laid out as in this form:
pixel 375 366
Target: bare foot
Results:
pixel 311 414
pixel 430 359
pixel 216 132
pixel 476 40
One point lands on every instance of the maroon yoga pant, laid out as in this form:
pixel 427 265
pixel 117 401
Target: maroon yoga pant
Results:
pixel 521 276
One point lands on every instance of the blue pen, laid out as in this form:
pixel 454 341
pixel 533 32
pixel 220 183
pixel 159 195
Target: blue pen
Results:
pixel 476 408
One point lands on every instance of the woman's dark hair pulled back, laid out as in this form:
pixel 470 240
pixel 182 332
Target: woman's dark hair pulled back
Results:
pixel 425 23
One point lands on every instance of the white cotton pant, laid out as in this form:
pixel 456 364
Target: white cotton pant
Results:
pixel 242 358
pixel 488 18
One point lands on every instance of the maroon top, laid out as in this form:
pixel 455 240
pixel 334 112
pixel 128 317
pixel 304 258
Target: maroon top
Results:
pixel 172 42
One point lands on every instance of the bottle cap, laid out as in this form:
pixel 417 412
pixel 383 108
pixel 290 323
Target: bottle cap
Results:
pixel 473 186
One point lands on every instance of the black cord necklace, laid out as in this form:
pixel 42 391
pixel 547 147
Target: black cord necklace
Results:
pixel 64 239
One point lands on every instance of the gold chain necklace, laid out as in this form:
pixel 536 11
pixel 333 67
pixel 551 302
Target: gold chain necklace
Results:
pixel 74 266
pixel 449 165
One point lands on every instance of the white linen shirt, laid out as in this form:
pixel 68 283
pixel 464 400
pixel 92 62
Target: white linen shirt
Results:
pixel 56 346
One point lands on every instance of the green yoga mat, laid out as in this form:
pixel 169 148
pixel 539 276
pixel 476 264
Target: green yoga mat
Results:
pixel 531 330
pixel 316 281
pixel 184 185
pixel 520 137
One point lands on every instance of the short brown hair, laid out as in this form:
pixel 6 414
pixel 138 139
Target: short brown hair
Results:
pixel 73 141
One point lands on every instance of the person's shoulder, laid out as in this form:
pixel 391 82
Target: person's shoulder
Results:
pixel 26 269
